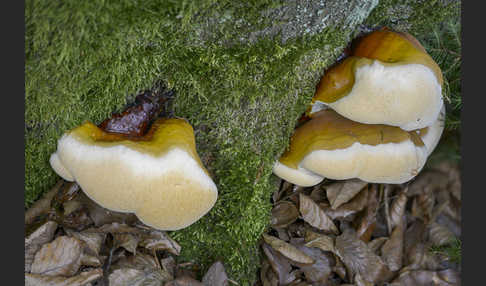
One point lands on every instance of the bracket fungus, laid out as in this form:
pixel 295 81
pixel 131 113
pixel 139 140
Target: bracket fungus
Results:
pixel 158 176
pixel 388 78
pixel 335 147
pixel 376 115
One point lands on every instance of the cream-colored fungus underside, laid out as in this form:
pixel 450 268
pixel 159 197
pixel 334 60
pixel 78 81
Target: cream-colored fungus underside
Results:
pixel 408 96
pixel 168 192
pixel 392 163
pixel 432 137
pixel 299 176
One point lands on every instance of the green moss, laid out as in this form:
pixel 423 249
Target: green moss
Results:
pixel 85 60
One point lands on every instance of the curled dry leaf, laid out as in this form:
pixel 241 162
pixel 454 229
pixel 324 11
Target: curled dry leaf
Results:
pixel 101 216
pixel 283 214
pixel 216 275
pixel 141 269
pixel 314 215
pixel 357 256
pixel 280 265
pixel 361 282
pixel 397 209
pixel 184 281
pixel 126 240
pixel 419 257
pixel 376 244
pixel 79 280
pixel 317 240
pixel 367 222
pixel 43 205
pixel 451 224
pixel 356 204
pixel 267 276
pixel 287 250
pixel 439 235
pixel 423 205
pixel 339 268
pixel 36 239
pixel 428 181
pixel 90 237
pixel 426 278
pixel 392 250
pixel 414 234
pixel 159 240
pixel 60 257
pixel 169 265
pixel 343 191
pixel 319 271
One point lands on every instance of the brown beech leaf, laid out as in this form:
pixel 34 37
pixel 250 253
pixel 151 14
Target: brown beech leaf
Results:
pixel 317 240
pixel 423 205
pixel 169 265
pixel 101 216
pixel 60 257
pixel 358 258
pixel 216 275
pixel 283 214
pixel 280 265
pixel 318 194
pixel 267 275
pixel 90 237
pixel 397 209
pixel 450 223
pixel 141 269
pixel 343 191
pixel 360 281
pixel 367 222
pixel 339 268
pixel 314 215
pixel 36 239
pixel 426 278
pixel 319 271
pixel 376 244
pixel 184 281
pixel 392 250
pixel 414 234
pixel 126 240
pixel 420 257
pixel 81 279
pixel 356 204
pixel 428 181
pixel 43 205
pixel 287 250
pixel 158 240
pixel 439 235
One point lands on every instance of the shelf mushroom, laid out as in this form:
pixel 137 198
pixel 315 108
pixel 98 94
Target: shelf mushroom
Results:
pixel 332 146
pixel 388 79
pixel 158 176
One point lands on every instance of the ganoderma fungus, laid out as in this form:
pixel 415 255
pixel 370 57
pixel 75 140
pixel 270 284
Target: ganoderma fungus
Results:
pixel 331 146
pixel 158 176
pixel 388 78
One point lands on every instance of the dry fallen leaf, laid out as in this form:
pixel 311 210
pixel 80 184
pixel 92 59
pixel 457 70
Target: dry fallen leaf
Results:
pixel 426 278
pixel 79 280
pixel 267 276
pixel 397 209
pixel 314 215
pixel 60 257
pixel 439 235
pixel 376 244
pixel 392 250
pixel 343 191
pixel 283 214
pixel 159 240
pixel 215 276
pixel 356 204
pixel 43 205
pixel 280 264
pixel 35 240
pixel 287 250
pixel 141 269
pixel 319 271
pixel 90 237
pixel 321 241
pixel 357 256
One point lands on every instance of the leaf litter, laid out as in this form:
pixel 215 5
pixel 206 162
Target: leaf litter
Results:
pixel 359 233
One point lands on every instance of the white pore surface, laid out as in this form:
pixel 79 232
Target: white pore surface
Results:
pixel 299 177
pixel 408 96
pixel 391 163
pixel 431 139
pixel 122 179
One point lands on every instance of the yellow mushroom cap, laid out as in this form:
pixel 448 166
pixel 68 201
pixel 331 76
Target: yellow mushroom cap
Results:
pixel 159 176
pixel 335 147
pixel 388 79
